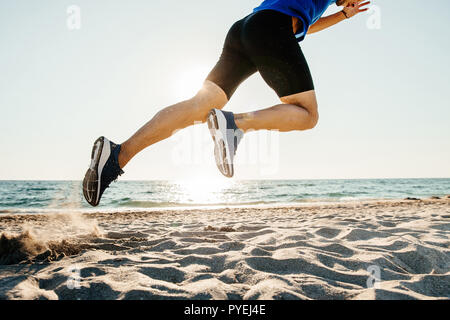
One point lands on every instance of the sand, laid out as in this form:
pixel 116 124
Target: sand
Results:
pixel 353 250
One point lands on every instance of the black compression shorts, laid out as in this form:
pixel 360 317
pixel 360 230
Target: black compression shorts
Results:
pixel 263 41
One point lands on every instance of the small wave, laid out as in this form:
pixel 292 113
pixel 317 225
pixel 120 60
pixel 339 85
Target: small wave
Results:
pixel 162 204
pixel 265 187
pixel 150 204
pixel 15 203
pixel 283 195
pixel 39 189
pixel 337 194
pixel 8 211
pixel 119 201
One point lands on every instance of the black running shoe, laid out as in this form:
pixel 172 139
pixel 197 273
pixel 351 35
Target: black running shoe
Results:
pixel 104 169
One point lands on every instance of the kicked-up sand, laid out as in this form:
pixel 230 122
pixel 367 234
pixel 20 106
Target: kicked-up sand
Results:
pixel 352 250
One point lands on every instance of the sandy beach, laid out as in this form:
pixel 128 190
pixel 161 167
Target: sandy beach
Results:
pixel 353 250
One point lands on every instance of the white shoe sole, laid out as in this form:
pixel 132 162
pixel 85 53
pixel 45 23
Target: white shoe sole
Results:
pixel 104 156
pixel 217 125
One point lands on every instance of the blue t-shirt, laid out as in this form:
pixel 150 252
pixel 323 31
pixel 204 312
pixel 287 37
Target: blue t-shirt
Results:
pixel 308 11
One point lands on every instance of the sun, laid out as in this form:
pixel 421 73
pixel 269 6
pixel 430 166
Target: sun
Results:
pixel 204 190
pixel 189 80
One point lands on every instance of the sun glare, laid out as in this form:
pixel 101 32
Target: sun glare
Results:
pixel 204 191
pixel 189 81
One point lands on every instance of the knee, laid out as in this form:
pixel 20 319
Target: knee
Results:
pixel 200 107
pixel 209 97
pixel 307 103
pixel 313 120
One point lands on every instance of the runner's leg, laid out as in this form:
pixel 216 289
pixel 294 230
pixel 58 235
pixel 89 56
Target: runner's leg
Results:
pixel 231 70
pixel 299 112
pixel 173 118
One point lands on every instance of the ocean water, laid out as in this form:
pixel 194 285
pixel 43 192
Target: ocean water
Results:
pixel 42 196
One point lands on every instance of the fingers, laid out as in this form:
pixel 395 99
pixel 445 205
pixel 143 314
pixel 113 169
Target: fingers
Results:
pixel 364 4
pixel 361 5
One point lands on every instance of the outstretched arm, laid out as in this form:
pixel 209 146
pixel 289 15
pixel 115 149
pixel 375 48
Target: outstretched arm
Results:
pixel 346 13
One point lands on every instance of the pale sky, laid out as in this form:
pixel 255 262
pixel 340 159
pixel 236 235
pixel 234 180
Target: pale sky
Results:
pixel 383 94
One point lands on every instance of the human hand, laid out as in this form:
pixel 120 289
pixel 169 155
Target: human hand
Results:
pixel 354 8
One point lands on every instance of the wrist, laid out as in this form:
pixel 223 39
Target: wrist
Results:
pixel 345 14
